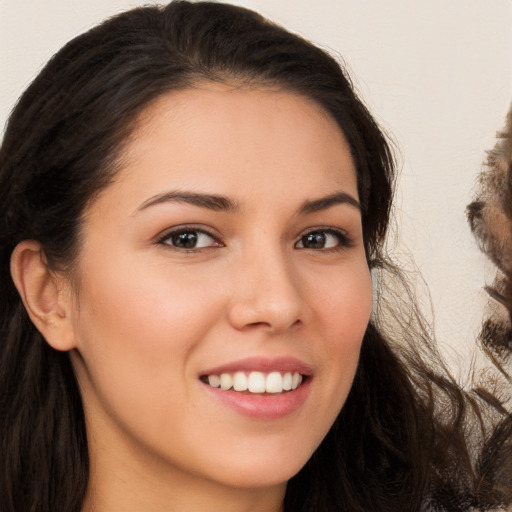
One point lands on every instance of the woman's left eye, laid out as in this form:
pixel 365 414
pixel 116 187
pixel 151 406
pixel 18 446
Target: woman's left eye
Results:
pixel 323 239
pixel 189 239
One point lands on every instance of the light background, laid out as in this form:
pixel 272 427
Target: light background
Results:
pixel 437 75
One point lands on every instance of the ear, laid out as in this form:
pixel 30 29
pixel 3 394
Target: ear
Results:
pixel 45 294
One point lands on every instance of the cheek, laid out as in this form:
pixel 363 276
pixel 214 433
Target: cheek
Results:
pixel 343 310
pixel 149 307
pixel 136 331
pixel 343 305
pixel 138 334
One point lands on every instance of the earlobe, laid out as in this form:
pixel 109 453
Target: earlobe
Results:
pixel 44 293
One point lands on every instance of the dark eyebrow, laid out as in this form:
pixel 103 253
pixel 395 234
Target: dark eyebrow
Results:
pixel 210 201
pixel 326 202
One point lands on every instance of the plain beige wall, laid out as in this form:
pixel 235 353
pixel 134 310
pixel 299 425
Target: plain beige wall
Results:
pixel 437 74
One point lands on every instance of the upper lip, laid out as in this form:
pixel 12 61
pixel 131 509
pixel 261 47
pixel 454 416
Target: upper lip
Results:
pixel 262 364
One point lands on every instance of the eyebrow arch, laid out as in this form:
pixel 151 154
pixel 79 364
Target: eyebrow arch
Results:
pixel 324 203
pixel 209 201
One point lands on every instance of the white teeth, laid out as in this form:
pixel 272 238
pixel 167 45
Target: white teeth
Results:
pixel 287 381
pixel 274 383
pixel 240 381
pixel 296 380
pixel 256 382
pixel 225 381
pixel 214 381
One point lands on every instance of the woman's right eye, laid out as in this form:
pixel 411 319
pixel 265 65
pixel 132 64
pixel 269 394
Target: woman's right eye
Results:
pixel 189 239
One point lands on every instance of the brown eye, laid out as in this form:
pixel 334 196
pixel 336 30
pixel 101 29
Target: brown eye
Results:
pixel 315 240
pixel 189 239
pixel 323 239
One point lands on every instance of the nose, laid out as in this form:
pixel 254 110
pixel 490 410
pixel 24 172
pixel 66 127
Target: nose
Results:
pixel 266 294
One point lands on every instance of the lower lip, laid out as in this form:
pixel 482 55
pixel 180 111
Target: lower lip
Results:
pixel 264 407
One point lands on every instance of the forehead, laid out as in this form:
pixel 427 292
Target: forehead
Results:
pixel 237 139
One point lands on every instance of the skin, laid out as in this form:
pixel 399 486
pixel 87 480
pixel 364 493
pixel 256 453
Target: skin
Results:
pixel 144 319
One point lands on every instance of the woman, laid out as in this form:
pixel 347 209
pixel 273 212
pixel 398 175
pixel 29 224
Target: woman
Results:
pixel 193 201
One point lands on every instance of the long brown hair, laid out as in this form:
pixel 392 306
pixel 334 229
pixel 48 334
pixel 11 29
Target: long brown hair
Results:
pixel 392 448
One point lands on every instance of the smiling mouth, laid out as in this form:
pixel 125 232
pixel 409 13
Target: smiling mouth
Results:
pixel 255 382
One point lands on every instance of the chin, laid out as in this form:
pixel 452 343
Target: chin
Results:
pixel 251 477
pixel 273 468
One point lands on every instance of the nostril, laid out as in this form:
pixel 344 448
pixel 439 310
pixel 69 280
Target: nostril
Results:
pixel 258 325
pixel 272 325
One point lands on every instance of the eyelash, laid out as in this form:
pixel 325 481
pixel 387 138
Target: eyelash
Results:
pixel 344 241
pixel 164 240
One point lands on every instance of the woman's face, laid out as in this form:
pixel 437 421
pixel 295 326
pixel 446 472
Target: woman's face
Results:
pixel 229 249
